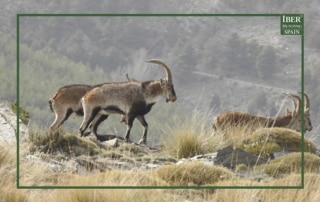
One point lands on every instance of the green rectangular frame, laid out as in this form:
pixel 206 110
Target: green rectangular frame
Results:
pixel 158 187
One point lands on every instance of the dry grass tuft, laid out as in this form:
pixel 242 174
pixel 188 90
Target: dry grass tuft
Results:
pixel 311 192
pixel 58 141
pixel 233 134
pixel 186 143
pixel 192 173
pixel 8 191
pixel 192 137
pixel 270 140
pixel 291 163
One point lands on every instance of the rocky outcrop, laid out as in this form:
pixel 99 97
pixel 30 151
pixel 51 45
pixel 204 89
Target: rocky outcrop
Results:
pixel 8 126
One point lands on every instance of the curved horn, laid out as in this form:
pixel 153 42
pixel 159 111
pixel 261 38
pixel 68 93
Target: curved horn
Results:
pixel 293 101
pixel 159 62
pixel 298 106
pixel 307 104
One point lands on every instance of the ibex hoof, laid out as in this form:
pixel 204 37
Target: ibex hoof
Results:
pixel 127 140
pixel 86 134
pixel 142 141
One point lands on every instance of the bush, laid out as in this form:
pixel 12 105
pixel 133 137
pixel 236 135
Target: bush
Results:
pixel 23 114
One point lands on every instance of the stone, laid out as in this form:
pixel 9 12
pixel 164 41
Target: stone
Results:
pixel 112 143
pixel 231 157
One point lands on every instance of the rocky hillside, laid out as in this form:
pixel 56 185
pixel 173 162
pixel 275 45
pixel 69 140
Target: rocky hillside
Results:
pixel 64 153
pixel 8 126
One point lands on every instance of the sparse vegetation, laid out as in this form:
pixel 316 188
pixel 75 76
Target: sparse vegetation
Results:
pixel 192 174
pixel 235 135
pixel 23 114
pixel 265 141
pixel 291 163
pixel 192 136
pixel 58 141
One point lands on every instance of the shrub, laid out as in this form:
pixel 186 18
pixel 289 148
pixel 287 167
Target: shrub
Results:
pixel 23 114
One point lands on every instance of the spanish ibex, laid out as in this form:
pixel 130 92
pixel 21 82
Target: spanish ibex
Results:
pixel 67 101
pixel 131 99
pixel 292 119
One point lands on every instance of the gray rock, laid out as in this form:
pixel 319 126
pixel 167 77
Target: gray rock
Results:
pixel 230 158
pixel 8 126
pixel 112 143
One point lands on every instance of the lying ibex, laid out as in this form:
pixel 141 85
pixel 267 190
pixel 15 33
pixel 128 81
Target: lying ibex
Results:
pixel 67 101
pixel 292 119
pixel 131 99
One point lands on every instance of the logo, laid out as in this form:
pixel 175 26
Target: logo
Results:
pixel 292 24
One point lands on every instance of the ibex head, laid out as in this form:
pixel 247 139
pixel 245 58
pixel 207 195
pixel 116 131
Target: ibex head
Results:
pixel 296 113
pixel 166 83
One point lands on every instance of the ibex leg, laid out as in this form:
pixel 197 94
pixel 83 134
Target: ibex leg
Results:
pixel 144 123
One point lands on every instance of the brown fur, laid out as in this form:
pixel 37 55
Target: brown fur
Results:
pixel 67 101
pixel 231 119
pixel 132 99
pixel 292 119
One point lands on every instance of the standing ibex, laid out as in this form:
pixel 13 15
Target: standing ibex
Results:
pixel 291 120
pixel 131 99
pixel 67 101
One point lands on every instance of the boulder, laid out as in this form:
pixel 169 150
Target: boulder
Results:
pixel 231 157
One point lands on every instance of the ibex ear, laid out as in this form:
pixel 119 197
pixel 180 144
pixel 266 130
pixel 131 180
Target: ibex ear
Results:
pixel 288 112
pixel 163 81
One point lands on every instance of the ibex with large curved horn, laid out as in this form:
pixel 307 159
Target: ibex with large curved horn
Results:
pixel 292 119
pixel 298 108
pixel 131 99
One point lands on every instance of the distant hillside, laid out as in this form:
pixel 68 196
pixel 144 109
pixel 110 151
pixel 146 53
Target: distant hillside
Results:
pixel 222 61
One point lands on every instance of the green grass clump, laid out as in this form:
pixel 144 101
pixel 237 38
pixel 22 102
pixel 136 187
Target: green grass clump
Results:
pixel 270 140
pixel 291 163
pixel 59 141
pixel 23 114
pixel 194 173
